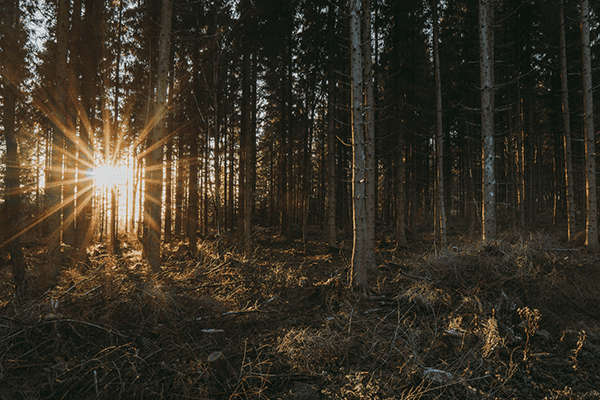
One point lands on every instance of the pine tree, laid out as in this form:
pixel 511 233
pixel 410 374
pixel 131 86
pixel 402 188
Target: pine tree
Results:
pixel 590 134
pixel 486 41
pixel 154 167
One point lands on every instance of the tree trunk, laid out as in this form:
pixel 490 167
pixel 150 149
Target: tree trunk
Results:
pixel 520 154
pixel 179 187
pixel 360 260
pixel 566 124
pixel 192 226
pixel 590 141
pixel 399 161
pixel 12 175
pixel 245 159
pixel 87 117
pixel 486 59
pixel 439 144
pixel 168 191
pixel 54 184
pixel 114 142
pixel 331 186
pixel 154 171
pixel 369 115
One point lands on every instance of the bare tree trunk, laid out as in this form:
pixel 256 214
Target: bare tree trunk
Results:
pixel 399 161
pixel 169 161
pixel 369 115
pixel 114 142
pixel 155 168
pixel 590 140
pixel 400 191
pixel 360 262
pixel 439 144
pixel 520 136
pixel 486 59
pixel 179 188
pixel 217 152
pixel 12 195
pixel 70 156
pixel 87 117
pixel 331 186
pixel 192 226
pixel 566 124
pixel 54 184
pixel 168 191
pixel 245 159
pixel 134 184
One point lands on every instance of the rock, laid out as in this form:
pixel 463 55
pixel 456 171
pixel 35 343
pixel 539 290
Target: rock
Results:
pixel 303 391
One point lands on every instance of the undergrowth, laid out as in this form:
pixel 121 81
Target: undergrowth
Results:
pixel 514 318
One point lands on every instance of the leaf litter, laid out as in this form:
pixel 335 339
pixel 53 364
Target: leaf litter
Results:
pixel 515 318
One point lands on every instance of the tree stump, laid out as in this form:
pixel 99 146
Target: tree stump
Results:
pixel 220 367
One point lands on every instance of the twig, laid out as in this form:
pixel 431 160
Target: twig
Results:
pixel 242 312
pixel 84 280
pixel 109 330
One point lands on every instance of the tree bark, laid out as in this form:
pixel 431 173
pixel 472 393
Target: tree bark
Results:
pixel 486 58
pixel 590 140
pixel 12 200
pixel 369 115
pixel 566 124
pixel 360 261
pixel 54 184
pixel 439 144
pixel 331 186
pixel 179 187
pixel 245 159
pixel 154 171
pixel 193 196
pixel 168 192
pixel 87 117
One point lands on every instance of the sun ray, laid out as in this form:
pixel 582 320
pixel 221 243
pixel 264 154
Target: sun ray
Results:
pixel 45 216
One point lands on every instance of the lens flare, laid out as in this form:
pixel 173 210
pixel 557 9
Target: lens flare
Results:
pixel 106 175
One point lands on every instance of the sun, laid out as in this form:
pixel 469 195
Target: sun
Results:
pixel 107 174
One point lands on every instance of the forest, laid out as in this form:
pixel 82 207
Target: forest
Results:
pixel 303 199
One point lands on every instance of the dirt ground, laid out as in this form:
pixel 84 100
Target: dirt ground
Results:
pixel 514 319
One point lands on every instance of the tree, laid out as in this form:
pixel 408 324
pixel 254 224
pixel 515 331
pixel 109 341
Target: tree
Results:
pixel 362 260
pixel 369 114
pixel 591 238
pixel 114 142
pixel 331 186
pixel 9 77
pixel 245 156
pixel 87 29
pixel 486 61
pixel 566 124
pixel 154 160
pixel 439 144
pixel 54 182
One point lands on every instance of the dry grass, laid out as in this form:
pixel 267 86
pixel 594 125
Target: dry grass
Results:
pixel 466 321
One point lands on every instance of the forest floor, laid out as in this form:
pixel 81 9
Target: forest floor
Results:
pixel 514 319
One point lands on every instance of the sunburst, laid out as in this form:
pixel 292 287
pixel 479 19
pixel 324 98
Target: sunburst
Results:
pixel 109 174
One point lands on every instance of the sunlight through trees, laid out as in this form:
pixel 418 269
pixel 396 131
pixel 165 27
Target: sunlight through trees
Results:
pixel 167 123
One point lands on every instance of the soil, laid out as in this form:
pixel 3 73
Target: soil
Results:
pixel 513 319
